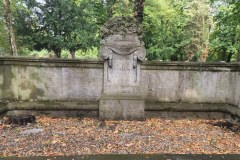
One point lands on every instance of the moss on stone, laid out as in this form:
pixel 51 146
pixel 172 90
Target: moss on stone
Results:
pixel 35 76
pixel 1 79
pixel 36 92
pixel 121 25
pixel 7 86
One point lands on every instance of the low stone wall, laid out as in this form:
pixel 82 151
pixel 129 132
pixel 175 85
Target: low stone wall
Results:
pixel 58 84
pixel 192 82
pixel 25 79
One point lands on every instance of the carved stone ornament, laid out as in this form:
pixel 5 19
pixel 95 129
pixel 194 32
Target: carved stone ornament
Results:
pixel 122 45
pixel 123 36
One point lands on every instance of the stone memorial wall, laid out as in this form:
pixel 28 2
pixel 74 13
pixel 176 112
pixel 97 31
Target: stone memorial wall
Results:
pixel 53 84
pixel 121 85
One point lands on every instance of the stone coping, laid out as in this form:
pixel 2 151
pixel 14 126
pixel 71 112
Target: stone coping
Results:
pixel 185 106
pixel 94 106
pixel 49 105
pixel 51 62
pixel 193 107
pixel 121 97
pixel 40 59
pixel 98 63
pixel 193 66
pixel 134 157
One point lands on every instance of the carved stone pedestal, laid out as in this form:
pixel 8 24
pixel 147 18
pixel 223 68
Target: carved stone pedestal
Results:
pixel 122 96
pixel 118 108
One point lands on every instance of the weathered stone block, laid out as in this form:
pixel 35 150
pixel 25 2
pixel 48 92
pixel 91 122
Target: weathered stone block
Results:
pixel 128 108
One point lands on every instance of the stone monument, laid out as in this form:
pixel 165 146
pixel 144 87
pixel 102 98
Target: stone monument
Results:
pixel 122 49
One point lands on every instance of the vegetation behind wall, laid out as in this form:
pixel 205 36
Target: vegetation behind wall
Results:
pixel 185 30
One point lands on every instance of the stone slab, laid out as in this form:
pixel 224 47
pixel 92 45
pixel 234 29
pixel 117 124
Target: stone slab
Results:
pixel 118 109
pixel 32 131
pixel 55 113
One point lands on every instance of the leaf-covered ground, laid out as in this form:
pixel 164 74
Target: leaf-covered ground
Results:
pixel 73 136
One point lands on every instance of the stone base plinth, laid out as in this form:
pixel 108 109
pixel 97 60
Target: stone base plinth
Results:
pixel 121 108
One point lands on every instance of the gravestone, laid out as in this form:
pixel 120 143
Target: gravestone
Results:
pixel 122 50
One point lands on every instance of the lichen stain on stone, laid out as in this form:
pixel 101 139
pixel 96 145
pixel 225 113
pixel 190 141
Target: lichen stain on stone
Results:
pixel 6 84
pixel 36 93
pixel 28 89
pixel 25 85
pixel 30 92
pixel 1 83
pixel 30 84
pixel 35 76
pixel 1 80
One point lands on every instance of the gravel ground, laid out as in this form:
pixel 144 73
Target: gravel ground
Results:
pixel 73 136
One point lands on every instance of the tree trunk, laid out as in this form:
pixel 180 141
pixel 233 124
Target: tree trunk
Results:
pixel 72 52
pixel 138 10
pixel 230 56
pixel 224 58
pixel 57 52
pixel 238 56
pixel 8 21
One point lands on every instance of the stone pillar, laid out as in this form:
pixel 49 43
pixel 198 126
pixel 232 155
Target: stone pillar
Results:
pixel 122 96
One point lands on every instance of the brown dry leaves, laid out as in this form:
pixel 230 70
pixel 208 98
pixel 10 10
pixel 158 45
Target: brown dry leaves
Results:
pixel 72 136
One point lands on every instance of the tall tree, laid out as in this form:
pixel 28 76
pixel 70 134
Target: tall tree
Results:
pixel 8 21
pixel 55 25
pixel 4 43
pixel 225 38
pixel 84 31
pixel 199 23
pixel 102 10
pixel 138 10
pixel 166 34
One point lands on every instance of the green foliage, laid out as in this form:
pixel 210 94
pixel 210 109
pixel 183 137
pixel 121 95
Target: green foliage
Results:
pixel 4 46
pixel 80 54
pixel 123 8
pixel 199 23
pixel 174 30
pixel 165 36
pixel 225 38
pixel 54 25
pixel 89 53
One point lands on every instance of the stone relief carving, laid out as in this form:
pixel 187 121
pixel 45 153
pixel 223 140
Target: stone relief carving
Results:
pixel 122 45
pixel 122 36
